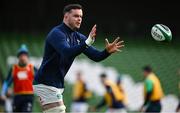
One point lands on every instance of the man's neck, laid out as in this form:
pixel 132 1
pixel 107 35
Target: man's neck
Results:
pixel 68 25
pixel 22 65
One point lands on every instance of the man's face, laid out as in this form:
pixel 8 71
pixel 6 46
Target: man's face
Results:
pixel 23 59
pixel 145 73
pixel 79 76
pixel 74 18
pixel 103 80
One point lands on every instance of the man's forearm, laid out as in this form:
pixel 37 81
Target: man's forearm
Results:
pixel 147 98
pixel 70 52
pixel 7 83
pixel 96 55
pixel 4 88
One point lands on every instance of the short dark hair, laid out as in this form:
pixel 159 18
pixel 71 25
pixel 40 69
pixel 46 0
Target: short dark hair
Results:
pixel 147 69
pixel 69 7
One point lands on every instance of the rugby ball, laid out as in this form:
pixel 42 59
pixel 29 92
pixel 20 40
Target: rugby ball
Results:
pixel 161 32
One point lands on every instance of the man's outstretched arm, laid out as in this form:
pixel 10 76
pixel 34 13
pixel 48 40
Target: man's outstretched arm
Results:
pixel 97 55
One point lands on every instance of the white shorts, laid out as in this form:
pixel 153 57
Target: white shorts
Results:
pixel 48 94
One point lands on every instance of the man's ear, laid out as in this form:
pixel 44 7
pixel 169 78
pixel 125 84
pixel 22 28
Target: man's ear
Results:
pixel 66 15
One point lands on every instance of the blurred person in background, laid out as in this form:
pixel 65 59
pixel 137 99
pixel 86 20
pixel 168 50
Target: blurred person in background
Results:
pixel 113 98
pixel 80 95
pixel 21 75
pixel 62 45
pixel 153 92
pixel 119 84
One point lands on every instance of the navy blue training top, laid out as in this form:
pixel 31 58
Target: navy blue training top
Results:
pixel 62 45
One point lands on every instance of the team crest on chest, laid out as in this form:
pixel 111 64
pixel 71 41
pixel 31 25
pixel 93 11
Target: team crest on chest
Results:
pixel 22 75
pixel 68 40
pixel 78 41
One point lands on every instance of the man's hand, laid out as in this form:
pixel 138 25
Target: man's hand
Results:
pixel 91 38
pixel 114 46
pixel 92 34
pixel 3 97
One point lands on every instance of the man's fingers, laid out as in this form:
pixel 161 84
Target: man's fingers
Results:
pixel 118 50
pixel 107 42
pixel 120 46
pixel 93 35
pixel 116 40
pixel 120 42
pixel 93 31
pixel 94 28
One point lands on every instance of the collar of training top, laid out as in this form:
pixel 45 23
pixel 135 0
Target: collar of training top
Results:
pixel 67 28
